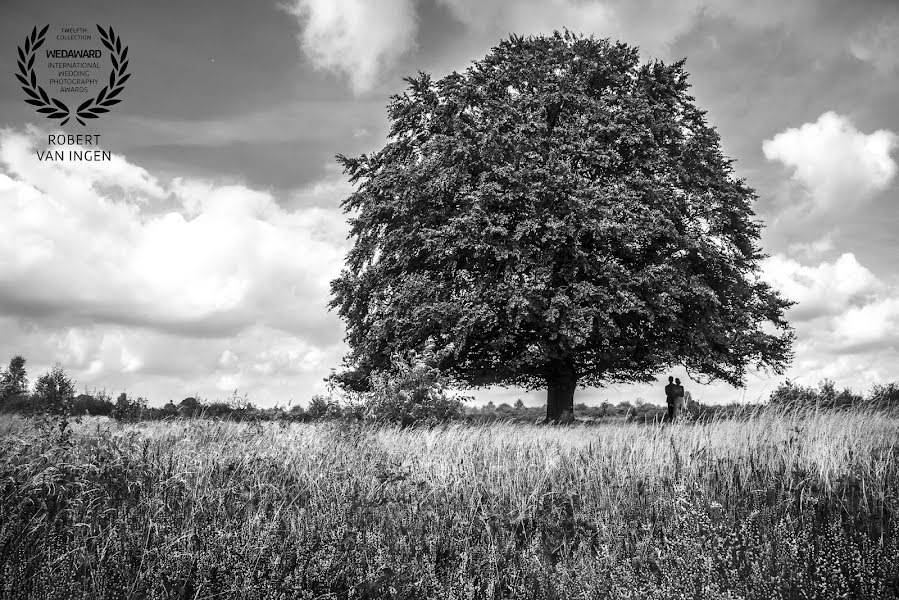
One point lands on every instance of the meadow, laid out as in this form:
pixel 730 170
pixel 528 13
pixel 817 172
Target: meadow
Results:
pixel 778 504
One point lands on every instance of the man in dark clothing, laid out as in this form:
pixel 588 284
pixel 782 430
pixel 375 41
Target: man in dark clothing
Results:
pixel 671 391
pixel 678 398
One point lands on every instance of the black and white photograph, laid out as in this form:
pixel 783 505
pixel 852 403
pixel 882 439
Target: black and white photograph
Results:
pixel 449 299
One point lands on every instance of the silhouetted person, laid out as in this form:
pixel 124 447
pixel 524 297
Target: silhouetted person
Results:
pixel 678 398
pixel 670 394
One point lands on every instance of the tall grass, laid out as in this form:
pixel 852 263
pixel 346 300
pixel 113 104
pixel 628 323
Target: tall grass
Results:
pixel 776 505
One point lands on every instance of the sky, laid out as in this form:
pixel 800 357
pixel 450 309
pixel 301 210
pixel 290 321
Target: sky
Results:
pixel 197 260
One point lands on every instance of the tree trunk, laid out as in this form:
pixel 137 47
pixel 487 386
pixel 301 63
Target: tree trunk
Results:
pixel 561 382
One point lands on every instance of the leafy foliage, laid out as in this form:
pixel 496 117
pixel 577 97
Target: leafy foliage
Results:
pixel 190 405
pixel 885 395
pixel 54 392
pixel 323 407
pixel 14 379
pixel 96 404
pixel 128 408
pixel 793 395
pixel 413 391
pixel 557 214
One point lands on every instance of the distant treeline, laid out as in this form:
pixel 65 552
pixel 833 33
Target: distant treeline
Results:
pixel 415 394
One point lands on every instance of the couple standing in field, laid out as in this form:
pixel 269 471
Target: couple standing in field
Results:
pixel 674 395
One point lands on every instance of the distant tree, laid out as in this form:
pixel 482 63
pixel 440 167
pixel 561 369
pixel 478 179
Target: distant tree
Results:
pixel 128 408
pixel 558 215
pixel 519 404
pixel 321 406
pixel 189 406
pixel 54 392
pixel 826 395
pixel 886 395
pixel 830 397
pixel 790 394
pixel 14 379
pixel 97 404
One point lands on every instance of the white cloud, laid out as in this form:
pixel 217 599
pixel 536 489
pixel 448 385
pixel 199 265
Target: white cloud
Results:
pixel 223 258
pixel 871 325
pixel 112 272
pixel 842 309
pixel 820 290
pixel 356 38
pixel 846 320
pixel 837 164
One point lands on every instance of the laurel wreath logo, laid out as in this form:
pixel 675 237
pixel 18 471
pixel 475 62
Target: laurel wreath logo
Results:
pixel 92 108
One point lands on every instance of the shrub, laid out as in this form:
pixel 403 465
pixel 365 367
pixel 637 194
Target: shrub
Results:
pixel 54 392
pixel 19 403
pixel 413 392
pixel 96 404
pixel 128 409
pixel 885 396
pixel 220 410
pixel 189 406
pixel 792 395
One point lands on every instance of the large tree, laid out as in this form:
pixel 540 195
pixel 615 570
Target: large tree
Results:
pixel 557 215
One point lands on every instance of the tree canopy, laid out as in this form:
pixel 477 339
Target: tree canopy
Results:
pixel 557 215
pixel 14 379
pixel 55 391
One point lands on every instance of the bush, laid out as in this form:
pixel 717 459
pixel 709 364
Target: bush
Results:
pixel 189 406
pixel 128 409
pixel 413 392
pixel 791 395
pixel 323 407
pixel 19 403
pixel 97 404
pixel 54 392
pixel 885 396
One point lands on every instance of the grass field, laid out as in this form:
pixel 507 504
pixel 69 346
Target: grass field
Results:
pixel 776 506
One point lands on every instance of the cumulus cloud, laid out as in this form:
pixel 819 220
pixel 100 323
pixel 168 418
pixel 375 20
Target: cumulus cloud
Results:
pixel 116 270
pixel 846 320
pixel 210 259
pixel 825 289
pixel 842 307
pixel 838 165
pixel 871 326
pixel 356 38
